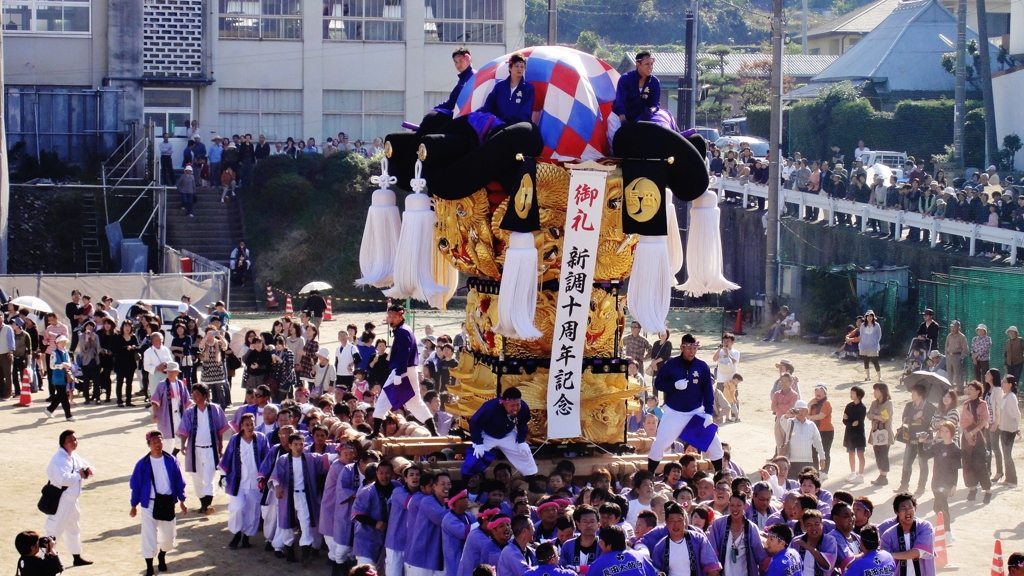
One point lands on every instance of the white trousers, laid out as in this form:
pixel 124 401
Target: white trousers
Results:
pixel 518 454
pixel 342 552
pixel 157 535
pixel 66 524
pixel 270 516
pixel 285 538
pixel 206 467
pixel 414 405
pixel 672 424
pixel 244 512
pixel 332 547
pixel 394 562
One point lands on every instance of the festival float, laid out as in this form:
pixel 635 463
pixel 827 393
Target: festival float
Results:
pixel 559 226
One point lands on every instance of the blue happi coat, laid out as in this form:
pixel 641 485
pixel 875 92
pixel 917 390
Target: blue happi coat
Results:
pixel 454 531
pixel 282 475
pixel 372 500
pixel 423 550
pixel 231 462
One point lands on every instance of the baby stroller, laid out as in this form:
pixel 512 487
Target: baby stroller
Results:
pixel 917 356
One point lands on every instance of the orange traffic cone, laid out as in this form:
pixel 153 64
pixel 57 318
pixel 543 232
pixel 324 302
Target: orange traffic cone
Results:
pixel 997 560
pixel 271 301
pixel 738 329
pixel 941 561
pixel 26 388
pixel 288 305
pixel 327 313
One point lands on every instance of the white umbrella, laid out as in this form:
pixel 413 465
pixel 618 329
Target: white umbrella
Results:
pixel 32 303
pixel 237 342
pixel 315 286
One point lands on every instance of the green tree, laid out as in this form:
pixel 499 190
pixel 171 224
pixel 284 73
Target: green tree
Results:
pixel 1011 144
pixel 588 42
pixel 721 86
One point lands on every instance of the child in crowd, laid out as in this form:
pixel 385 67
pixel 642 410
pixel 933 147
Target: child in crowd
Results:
pixel 732 395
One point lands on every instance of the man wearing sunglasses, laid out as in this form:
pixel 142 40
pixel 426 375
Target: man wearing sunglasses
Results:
pixel 689 393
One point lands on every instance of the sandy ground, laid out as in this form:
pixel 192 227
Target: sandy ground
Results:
pixel 111 439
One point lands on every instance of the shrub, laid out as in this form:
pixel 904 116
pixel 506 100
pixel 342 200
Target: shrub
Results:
pixel 286 193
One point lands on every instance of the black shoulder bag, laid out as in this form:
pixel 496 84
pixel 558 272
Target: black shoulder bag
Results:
pixel 49 501
pixel 163 504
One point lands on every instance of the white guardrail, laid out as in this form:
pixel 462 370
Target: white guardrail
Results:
pixel 901 218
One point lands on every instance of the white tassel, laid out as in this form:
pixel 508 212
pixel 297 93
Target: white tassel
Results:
pixel 675 239
pixel 413 261
pixel 517 296
pixel 704 249
pixel 380 241
pixel 445 275
pixel 650 283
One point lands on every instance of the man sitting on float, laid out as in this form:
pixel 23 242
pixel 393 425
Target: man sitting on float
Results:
pixel 638 97
pixel 510 101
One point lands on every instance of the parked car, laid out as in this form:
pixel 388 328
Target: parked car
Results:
pixel 709 134
pixel 735 126
pixel 895 161
pixel 167 310
pixel 759 146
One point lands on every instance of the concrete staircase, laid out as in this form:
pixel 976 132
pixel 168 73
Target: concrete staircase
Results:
pixel 213 232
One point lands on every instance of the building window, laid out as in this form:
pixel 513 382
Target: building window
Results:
pixel 431 99
pixel 363 115
pixel 277 114
pixel 465 21
pixel 364 20
pixel 261 19
pixel 47 17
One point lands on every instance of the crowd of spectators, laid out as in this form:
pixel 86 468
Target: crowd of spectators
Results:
pixel 983 199
pixel 228 162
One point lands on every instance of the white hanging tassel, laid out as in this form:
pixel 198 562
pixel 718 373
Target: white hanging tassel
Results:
pixel 650 283
pixel 675 239
pixel 517 296
pixel 380 235
pixel 704 249
pixel 445 275
pixel 414 274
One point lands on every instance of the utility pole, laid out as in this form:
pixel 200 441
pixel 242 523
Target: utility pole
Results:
pixel 5 188
pixel 685 110
pixel 771 269
pixel 960 95
pixel 552 22
pixel 691 51
pixel 803 28
pixel 991 138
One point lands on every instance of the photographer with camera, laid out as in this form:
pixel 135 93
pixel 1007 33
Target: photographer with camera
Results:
pixel 67 470
pixel 29 544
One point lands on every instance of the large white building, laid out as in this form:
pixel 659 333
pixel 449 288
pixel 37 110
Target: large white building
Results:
pixel 78 72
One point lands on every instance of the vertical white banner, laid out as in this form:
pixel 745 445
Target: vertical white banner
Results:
pixel 579 258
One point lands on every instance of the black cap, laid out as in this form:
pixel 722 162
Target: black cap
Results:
pixel 928 312
pixel 397 308
pixel 689 339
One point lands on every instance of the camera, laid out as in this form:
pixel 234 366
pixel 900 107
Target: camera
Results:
pixel 45 541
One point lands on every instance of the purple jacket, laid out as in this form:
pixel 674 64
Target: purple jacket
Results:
pixel 328 501
pixel 141 482
pixel 702 552
pixel 161 400
pixel 398 520
pixel 424 550
pixel 454 531
pixel 718 537
pixel 231 462
pixel 923 539
pixel 282 476
pixel 188 427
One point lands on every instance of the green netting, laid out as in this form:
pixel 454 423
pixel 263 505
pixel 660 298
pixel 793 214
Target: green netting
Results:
pixel 888 319
pixel 989 296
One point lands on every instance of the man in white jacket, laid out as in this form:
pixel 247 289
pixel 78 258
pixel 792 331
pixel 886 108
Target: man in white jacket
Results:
pixel 155 360
pixel 67 470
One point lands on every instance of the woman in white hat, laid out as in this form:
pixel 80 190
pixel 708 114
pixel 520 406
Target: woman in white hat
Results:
pixel 981 350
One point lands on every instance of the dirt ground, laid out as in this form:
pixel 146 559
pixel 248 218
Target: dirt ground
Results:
pixel 111 439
